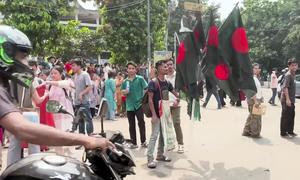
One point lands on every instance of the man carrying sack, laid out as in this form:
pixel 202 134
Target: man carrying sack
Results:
pixel 162 125
pixel 253 124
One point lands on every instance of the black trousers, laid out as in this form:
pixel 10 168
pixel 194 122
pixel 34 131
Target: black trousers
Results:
pixel 139 114
pixel 287 119
pixel 274 92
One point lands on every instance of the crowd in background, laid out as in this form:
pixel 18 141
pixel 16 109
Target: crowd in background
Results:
pixel 80 86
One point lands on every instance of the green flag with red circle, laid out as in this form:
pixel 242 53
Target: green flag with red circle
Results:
pixel 188 56
pixel 233 68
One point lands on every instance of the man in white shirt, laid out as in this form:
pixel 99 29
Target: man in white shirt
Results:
pixel 175 108
pixel 274 84
pixel 253 125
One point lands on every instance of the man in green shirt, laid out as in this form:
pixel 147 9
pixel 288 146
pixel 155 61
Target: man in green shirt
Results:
pixel 134 88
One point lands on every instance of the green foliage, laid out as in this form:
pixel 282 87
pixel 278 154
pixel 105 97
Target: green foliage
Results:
pixel 77 42
pixel 125 29
pixel 39 20
pixel 273 31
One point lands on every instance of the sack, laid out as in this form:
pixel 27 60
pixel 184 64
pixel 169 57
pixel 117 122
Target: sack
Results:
pixel 260 110
pixel 145 105
pixel 167 126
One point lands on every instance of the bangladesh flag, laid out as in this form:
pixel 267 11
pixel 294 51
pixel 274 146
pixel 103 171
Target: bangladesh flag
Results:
pixel 211 56
pixel 187 67
pixel 233 68
pixel 188 55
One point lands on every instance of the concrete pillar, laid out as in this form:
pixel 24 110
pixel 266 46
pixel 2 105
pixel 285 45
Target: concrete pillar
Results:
pixel 76 15
pixel 99 59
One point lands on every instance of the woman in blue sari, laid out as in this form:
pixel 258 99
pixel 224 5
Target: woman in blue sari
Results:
pixel 109 95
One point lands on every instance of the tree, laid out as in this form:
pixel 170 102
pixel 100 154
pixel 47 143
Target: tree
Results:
pixel 273 31
pixel 77 42
pixel 124 28
pixel 291 43
pixel 39 20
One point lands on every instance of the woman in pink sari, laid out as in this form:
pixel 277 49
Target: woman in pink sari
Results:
pixel 59 90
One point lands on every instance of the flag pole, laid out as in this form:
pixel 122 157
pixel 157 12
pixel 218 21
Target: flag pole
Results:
pixel 176 40
pixel 149 41
pixel 175 50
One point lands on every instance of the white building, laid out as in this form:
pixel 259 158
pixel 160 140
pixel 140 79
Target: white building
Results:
pixel 87 12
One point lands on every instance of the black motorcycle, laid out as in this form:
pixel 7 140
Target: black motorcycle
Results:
pixel 112 164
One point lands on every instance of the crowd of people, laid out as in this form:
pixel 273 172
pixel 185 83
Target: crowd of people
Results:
pixel 79 87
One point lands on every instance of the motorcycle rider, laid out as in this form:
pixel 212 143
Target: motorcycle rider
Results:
pixel 14 50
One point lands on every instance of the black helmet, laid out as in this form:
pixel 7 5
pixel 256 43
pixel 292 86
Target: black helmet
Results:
pixel 11 41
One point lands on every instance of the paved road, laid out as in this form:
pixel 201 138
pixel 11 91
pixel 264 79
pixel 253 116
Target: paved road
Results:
pixel 215 149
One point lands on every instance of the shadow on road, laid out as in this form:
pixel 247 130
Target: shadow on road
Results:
pixel 206 171
pixel 219 172
pixel 165 169
pixel 295 140
pixel 262 141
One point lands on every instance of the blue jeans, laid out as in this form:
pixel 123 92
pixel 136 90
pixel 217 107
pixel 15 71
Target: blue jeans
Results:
pixel 86 120
pixel 156 130
pixel 216 94
pixel 15 149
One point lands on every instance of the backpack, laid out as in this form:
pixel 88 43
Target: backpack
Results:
pixel 145 105
pixel 145 102
pixel 21 95
pixel 280 83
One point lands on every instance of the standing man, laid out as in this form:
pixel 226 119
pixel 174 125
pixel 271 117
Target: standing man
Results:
pixel 133 88
pixel 288 101
pixel 253 125
pixel 274 83
pixel 158 90
pixel 175 108
pixel 83 86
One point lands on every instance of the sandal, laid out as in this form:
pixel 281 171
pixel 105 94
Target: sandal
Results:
pixel 164 159
pixel 151 164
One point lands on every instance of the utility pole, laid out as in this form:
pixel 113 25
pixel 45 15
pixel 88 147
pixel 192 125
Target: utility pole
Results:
pixel 149 41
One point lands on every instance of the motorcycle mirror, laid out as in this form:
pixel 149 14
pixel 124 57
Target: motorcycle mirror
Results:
pixel 53 106
pixel 102 108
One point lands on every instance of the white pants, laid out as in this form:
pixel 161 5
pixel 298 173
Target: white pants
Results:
pixel 15 149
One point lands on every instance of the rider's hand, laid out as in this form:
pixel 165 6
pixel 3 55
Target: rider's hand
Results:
pixel 101 143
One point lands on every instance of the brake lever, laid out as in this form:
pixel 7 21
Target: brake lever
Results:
pixel 114 150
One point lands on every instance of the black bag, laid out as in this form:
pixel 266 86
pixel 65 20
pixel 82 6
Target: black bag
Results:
pixel 145 101
pixel 145 105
